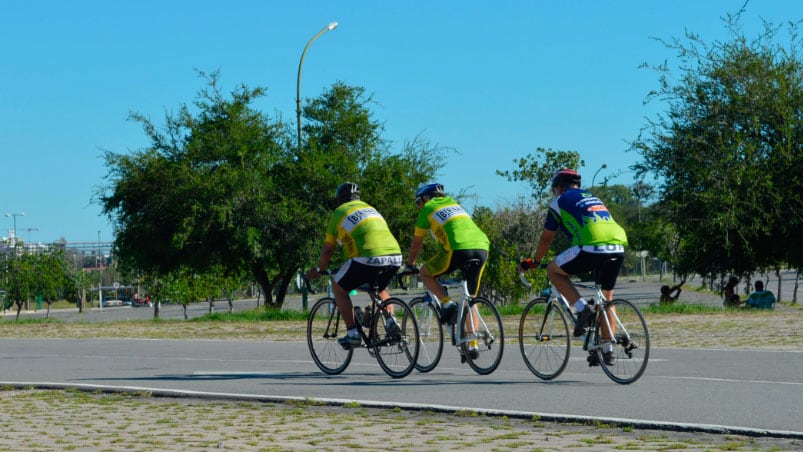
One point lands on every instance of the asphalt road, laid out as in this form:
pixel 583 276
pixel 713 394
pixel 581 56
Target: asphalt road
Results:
pixel 760 390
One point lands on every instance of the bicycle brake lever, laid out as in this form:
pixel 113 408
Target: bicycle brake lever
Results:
pixel 525 281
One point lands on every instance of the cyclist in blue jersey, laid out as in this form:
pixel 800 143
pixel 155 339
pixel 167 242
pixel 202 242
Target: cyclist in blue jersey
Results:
pixel 598 243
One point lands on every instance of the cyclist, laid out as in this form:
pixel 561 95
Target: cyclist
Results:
pixel 459 240
pixel 371 248
pixel 598 243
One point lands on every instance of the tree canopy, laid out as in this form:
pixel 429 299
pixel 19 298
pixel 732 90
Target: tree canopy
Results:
pixel 728 150
pixel 223 186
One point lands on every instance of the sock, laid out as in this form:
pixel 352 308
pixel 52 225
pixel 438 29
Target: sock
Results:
pixel 352 332
pixel 580 305
pixel 607 347
pixel 446 300
pixel 472 345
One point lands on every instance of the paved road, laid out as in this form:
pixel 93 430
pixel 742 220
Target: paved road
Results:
pixel 744 389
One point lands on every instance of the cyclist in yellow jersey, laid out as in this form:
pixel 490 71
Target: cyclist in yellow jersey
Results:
pixel 459 240
pixel 371 248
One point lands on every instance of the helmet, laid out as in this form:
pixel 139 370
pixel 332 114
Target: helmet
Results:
pixel 430 190
pixel 565 178
pixel 346 192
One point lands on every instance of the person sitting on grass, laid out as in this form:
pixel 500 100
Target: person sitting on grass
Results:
pixel 670 294
pixel 761 299
pixel 731 298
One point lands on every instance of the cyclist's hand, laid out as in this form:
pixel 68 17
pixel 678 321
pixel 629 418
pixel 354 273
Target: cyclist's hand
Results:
pixel 527 264
pixel 313 273
pixel 411 269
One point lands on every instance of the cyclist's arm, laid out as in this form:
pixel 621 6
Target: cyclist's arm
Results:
pixel 543 244
pixel 415 248
pixel 326 255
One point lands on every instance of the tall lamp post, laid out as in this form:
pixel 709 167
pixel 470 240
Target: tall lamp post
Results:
pixel 604 165
pixel 15 215
pixel 331 26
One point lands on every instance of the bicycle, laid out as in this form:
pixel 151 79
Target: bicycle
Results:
pixel 392 333
pixel 545 340
pixel 471 319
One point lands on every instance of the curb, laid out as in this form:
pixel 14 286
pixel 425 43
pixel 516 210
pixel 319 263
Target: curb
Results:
pixel 547 417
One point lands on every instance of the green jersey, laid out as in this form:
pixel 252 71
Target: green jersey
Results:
pixel 361 230
pixel 450 224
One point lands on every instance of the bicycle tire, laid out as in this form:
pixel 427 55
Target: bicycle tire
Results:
pixel 490 336
pixel 631 349
pixel 544 339
pixel 430 334
pixel 324 324
pixel 396 352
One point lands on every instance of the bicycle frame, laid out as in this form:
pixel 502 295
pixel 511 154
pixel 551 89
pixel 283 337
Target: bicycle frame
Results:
pixel 474 319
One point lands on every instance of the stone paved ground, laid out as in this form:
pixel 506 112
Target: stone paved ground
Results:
pixel 42 420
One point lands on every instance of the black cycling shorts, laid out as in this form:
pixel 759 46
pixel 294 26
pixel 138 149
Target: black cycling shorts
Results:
pixel 606 266
pixel 355 274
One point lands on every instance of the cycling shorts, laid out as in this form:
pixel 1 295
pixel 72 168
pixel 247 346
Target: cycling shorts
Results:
pixel 361 271
pixel 605 264
pixel 444 262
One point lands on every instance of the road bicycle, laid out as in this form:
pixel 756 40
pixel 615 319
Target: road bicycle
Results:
pixel 545 340
pixel 478 323
pixel 392 333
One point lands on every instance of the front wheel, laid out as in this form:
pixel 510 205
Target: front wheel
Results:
pixel 629 338
pixel 324 325
pixel 430 334
pixel 394 338
pixel 544 338
pixel 482 327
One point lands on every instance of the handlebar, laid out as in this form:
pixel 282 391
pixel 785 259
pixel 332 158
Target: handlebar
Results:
pixel 402 274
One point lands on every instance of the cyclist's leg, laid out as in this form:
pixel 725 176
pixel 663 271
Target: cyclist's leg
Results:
pixel 609 267
pixel 440 263
pixel 472 278
pixel 570 262
pixel 344 281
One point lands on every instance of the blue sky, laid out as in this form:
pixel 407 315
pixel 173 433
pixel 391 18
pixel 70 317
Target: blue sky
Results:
pixel 491 80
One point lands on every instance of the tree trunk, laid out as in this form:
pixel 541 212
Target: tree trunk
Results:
pixel 797 281
pixel 778 274
pixel 19 309
pixel 184 308
pixel 261 277
pixel 156 306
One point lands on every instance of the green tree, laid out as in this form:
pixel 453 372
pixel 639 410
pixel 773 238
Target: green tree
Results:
pixel 514 231
pixel 224 186
pixel 728 149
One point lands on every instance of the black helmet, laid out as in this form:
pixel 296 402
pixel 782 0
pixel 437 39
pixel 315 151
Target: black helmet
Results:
pixel 565 178
pixel 431 190
pixel 347 191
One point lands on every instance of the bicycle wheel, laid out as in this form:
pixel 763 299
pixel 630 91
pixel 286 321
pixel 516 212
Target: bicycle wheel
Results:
pixel 324 325
pixel 430 334
pixel 396 347
pixel 482 326
pixel 544 338
pixel 631 349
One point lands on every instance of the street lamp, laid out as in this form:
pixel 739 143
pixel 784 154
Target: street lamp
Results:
pixel 29 233
pixel 15 215
pixel 331 26
pixel 597 172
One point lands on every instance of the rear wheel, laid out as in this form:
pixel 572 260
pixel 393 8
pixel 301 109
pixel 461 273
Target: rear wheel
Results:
pixel 324 325
pixel 395 342
pixel 544 339
pixel 430 334
pixel 482 326
pixel 631 344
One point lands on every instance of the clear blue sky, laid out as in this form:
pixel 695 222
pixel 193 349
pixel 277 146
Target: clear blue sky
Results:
pixel 492 80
